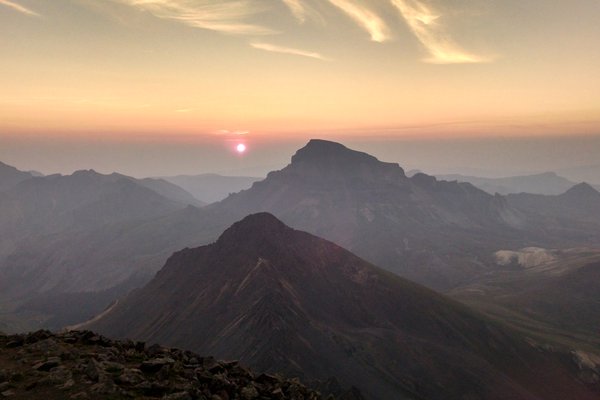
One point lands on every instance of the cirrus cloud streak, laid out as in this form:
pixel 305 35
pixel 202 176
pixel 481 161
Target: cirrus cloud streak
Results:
pixel 238 17
pixel 225 17
pixel 365 18
pixel 423 22
pixel 19 8
pixel 288 50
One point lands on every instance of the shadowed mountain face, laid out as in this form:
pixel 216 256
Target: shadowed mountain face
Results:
pixel 284 300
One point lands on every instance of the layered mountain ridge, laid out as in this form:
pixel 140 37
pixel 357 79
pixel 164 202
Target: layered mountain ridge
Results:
pixel 441 234
pixel 374 209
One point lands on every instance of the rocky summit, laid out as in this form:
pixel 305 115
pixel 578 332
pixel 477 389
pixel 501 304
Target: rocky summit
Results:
pixel 84 365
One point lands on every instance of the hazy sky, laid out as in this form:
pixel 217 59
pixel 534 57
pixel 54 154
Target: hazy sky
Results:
pixel 150 72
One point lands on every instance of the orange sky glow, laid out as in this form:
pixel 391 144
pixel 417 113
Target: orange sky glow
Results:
pixel 336 67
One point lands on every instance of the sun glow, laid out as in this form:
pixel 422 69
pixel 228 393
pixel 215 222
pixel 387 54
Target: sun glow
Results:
pixel 241 148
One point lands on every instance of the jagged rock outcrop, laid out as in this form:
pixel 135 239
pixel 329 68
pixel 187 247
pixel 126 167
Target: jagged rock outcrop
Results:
pixel 84 365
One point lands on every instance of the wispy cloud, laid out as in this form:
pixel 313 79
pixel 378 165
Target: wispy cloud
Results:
pixel 234 133
pixel 366 18
pixel 239 17
pixel 19 8
pixel 423 21
pixel 302 11
pixel 222 16
pixel 288 50
pixel 297 8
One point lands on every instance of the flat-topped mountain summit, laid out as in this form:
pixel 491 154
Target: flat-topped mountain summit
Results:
pixel 327 159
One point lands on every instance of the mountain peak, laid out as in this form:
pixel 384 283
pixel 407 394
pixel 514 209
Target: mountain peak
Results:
pixel 325 157
pixel 86 173
pixel 255 226
pixel 318 150
pixel 582 190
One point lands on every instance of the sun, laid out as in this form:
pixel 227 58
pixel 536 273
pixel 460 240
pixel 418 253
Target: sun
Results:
pixel 241 148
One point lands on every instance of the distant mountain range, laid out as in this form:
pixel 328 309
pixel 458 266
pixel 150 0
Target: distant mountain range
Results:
pixel 586 173
pixel 52 229
pixel 438 233
pixel 284 300
pixel 548 183
pixel 210 188
pixel 88 238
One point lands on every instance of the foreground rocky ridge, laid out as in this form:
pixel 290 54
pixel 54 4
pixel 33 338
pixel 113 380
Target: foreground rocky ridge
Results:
pixel 83 365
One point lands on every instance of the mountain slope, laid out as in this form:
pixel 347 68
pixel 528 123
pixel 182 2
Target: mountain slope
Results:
pixel 579 204
pixel 212 187
pixel 169 190
pixel 84 199
pixel 281 299
pixel 10 176
pixel 548 183
pixel 560 289
pixel 53 229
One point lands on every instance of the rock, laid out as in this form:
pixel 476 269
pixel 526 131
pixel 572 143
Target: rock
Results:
pixel 178 396
pixel 58 376
pixel 83 365
pixel 48 364
pixel 268 379
pixel 156 350
pixel 37 336
pixel 155 365
pixel 277 394
pixel 92 370
pixel 130 377
pixel 67 385
pixel 17 342
pixel 249 393
pixel 112 367
pixel 105 388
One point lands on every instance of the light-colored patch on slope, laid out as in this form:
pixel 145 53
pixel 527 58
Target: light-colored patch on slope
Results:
pixel 586 360
pixel 96 318
pixel 528 257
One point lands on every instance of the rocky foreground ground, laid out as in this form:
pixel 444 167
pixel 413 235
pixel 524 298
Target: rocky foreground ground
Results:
pixel 83 365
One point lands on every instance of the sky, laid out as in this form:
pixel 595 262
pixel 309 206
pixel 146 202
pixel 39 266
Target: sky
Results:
pixel 110 83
